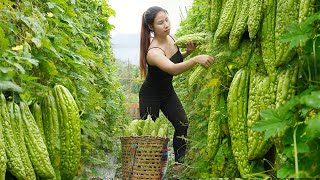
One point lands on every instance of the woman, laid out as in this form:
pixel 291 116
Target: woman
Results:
pixel 160 60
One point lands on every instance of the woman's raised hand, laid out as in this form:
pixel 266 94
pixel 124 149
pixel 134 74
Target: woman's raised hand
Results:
pixel 190 47
pixel 205 60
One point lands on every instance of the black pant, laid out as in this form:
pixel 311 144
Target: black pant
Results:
pixel 172 108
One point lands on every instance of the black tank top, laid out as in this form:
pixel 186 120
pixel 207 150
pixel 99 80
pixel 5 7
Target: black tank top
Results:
pixel 158 82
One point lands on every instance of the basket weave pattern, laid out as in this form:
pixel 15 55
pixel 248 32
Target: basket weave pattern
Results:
pixel 147 162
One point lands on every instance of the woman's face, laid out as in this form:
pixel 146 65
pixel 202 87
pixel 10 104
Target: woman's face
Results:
pixel 161 24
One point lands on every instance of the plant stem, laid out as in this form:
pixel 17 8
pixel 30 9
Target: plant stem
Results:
pixel 295 153
pixel 315 57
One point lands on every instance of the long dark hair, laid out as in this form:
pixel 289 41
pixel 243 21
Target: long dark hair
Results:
pixel 145 35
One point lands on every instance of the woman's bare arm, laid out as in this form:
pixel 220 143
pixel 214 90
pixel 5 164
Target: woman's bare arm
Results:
pixel 156 57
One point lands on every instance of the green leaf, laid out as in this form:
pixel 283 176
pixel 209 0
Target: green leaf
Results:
pixel 271 122
pixel 7 74
pixel 296 35
pixel 51 5
pixel 288 152
pixel 19 67
pixel 37 42
pixel 4 43
pixel 311 19
pixel 303 147
pixel 203 95
pixel 28 78
pixel 311 100
pixel 300 33
pixel 8 85
pixel 47 44
pixel 286 171
pixel 48 67
pixel 5 69
pixel 30 60
pixel 313 127
pixel 289 106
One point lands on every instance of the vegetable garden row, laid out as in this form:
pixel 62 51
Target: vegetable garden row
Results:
pixel 255 112
pixel 44 44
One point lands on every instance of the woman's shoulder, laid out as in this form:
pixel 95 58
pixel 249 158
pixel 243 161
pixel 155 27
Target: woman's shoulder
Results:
pixel 156 49
pixel 164 48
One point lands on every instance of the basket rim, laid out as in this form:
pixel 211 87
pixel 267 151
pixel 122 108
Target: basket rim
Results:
pixel 143 137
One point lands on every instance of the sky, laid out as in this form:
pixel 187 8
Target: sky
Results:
pixel 127 22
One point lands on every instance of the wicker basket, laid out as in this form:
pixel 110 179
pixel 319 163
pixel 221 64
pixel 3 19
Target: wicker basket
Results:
pixel 143 157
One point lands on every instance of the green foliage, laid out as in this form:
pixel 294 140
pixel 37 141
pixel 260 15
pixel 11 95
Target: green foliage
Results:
pixel 298 118
pixel 297 121
pixel 300 33
pixel 272 122
pixel 300 130
pixel 43 43
pixel 197 18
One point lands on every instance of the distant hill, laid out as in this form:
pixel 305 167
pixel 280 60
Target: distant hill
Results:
pixel 126 46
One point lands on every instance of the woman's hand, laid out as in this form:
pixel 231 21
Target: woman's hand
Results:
pixel 190 47
pixel 205 60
